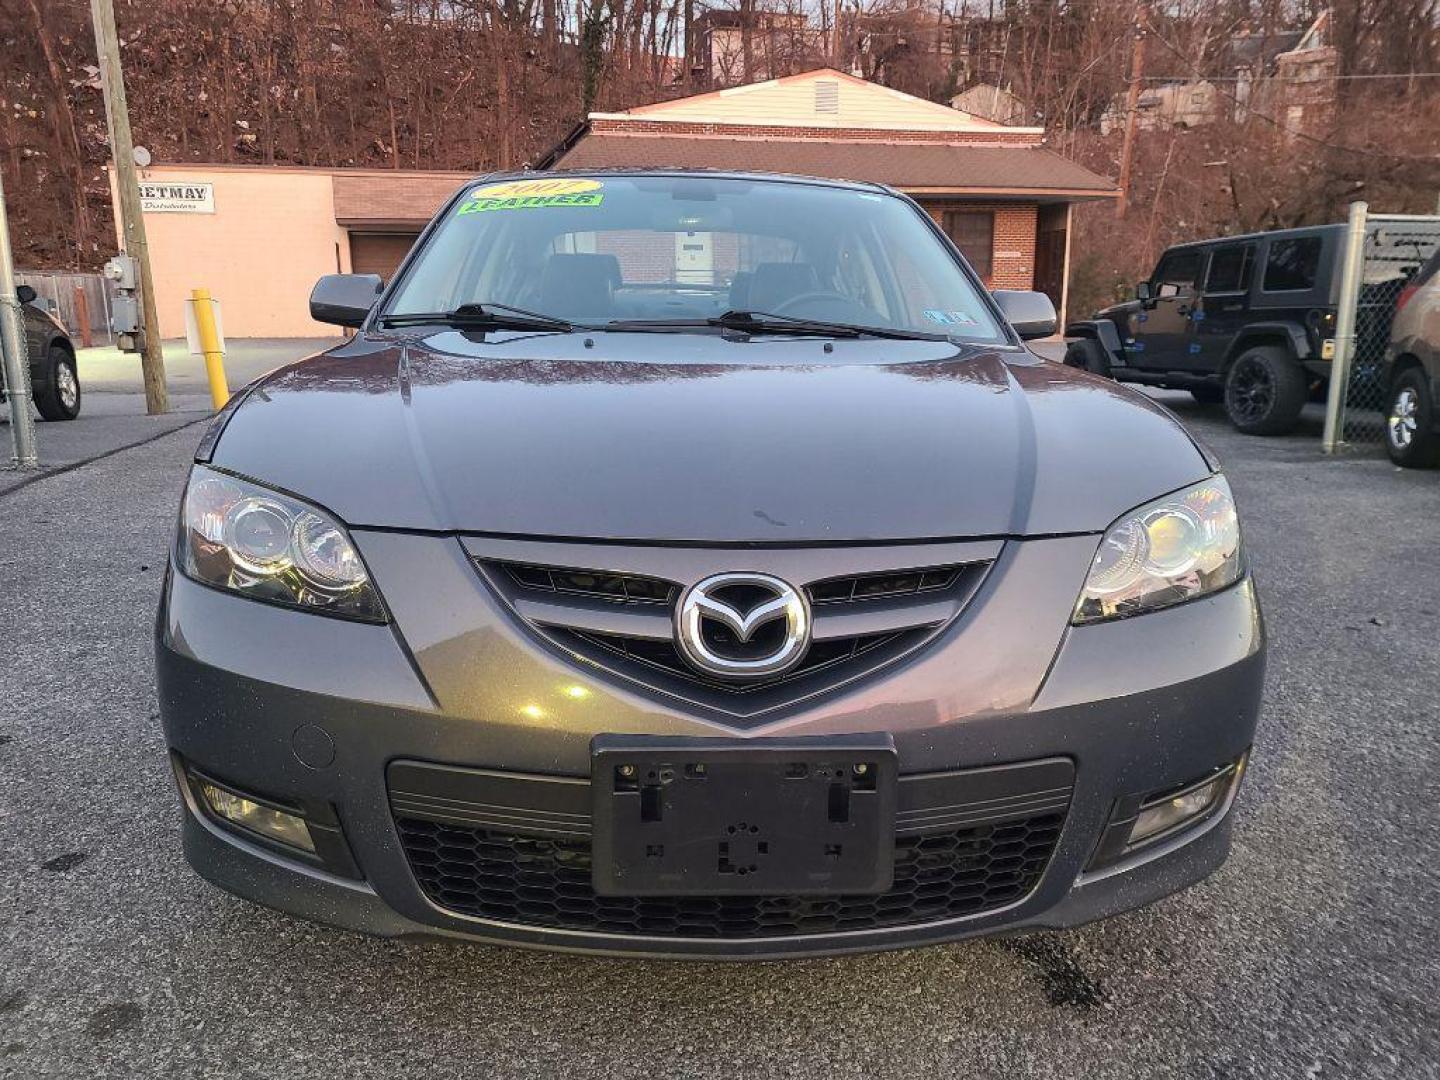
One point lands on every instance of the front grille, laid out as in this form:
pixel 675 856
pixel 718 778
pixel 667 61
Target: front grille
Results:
pixel 546 883
pixel 600 584
pixel 623 622
pixel 873 586
pixel 664 656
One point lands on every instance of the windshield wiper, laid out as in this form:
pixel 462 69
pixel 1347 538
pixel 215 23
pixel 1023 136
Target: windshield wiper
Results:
pixel 764 322
pixel 481 317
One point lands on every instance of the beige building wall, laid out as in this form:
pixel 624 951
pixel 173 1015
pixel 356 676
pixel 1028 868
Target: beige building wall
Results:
pixel 823 98
pixel 263 287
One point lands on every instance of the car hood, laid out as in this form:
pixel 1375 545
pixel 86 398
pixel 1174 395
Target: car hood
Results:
pixel 700 437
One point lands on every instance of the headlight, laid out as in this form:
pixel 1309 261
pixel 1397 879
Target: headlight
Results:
pixel 267 546
pixel 1169 551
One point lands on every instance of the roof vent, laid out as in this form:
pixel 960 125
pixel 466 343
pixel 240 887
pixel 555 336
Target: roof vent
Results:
pixel 827 96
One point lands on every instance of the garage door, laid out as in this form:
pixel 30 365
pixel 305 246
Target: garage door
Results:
pixel 379 253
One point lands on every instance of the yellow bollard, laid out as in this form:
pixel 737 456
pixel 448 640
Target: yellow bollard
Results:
pixel 210 346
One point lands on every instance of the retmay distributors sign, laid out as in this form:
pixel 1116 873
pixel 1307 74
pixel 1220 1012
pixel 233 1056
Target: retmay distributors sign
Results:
pixel 174 198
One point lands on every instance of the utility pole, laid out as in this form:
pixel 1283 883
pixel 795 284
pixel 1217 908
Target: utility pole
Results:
pixel 1132 104
pixel 122 150
pixel 17 357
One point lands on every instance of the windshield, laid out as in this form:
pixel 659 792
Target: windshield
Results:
pixel 671 250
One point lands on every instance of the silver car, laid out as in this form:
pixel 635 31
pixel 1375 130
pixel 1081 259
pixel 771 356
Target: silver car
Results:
pixel 1412 419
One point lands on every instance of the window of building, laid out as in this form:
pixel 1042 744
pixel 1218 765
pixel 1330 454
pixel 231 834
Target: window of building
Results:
pixel 1230 268
pixel 1292 264
pixel 974 234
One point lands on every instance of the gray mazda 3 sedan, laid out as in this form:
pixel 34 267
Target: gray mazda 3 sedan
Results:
pixel 699 564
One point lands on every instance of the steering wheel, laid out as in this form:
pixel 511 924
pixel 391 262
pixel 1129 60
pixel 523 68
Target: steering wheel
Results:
pixel 784 306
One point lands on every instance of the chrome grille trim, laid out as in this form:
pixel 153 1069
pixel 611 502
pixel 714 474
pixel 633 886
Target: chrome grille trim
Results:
pixel 871 606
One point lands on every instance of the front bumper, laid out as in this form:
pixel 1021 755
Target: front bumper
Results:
pixel 314 711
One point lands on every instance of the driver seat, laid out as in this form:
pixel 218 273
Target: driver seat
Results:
pixel 775 283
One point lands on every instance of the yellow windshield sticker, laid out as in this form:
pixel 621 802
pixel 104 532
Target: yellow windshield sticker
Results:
pixel 533 194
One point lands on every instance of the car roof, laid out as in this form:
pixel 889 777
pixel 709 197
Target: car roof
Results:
pixel 1284 234
pixel 705 174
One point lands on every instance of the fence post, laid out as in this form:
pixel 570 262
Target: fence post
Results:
pixel 13 352
pixel 82 316
pixel 1350 280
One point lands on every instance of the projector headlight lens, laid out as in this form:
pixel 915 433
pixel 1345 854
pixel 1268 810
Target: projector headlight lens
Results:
pixel 240 536
pixel 1169 551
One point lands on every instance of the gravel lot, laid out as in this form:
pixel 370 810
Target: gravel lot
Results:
pixel 1314 953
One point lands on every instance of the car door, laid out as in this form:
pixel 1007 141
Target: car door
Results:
pixel 1163 328
pixel 1222 308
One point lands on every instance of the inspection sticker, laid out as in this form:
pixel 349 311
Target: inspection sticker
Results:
pixel 533 195
pixel 950 318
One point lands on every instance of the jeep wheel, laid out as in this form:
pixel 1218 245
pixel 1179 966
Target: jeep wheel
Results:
pixel 1086 353
pixel 1410 437
pixel 60 400
pixel 1264 392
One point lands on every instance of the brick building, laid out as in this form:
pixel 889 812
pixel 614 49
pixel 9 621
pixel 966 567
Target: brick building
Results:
pixel 1000 194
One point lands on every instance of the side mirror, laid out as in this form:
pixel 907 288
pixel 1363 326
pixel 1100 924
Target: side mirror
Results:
pixel 26 294
pixel 1030 313
pixel 1143 293
pixel 344 299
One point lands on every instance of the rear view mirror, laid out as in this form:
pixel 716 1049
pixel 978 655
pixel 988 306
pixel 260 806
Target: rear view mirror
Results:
pixel 1143 293
pixel 344 299
pixel 1030 313
pixel 26 294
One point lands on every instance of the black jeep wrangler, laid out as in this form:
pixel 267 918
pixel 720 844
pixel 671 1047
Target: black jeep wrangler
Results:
pixel 1244 320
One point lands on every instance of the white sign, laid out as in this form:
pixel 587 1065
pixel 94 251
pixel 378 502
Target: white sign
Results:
pixel 175 197
pixel 192 328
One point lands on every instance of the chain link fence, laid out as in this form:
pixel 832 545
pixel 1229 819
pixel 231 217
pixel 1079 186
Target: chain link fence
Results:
pixel 1383 254
pixel 80 301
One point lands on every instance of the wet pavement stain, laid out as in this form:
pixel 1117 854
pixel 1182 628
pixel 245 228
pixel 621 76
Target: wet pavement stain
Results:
pixel 68 861
pixel 114 1018
pixel 1066 983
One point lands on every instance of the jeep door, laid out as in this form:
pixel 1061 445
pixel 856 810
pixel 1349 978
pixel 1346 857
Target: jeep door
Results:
pixel 1223 307
pixel 1162 330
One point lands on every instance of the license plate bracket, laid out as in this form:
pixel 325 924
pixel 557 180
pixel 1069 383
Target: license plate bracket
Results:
pixel 743 817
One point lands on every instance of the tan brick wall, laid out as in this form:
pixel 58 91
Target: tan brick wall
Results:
pixel 1013 252
pixel 640 126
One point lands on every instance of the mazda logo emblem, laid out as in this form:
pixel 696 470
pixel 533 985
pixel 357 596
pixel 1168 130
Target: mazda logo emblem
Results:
pixel 742 625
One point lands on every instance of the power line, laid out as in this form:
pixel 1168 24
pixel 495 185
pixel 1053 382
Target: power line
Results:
pixel 1292 78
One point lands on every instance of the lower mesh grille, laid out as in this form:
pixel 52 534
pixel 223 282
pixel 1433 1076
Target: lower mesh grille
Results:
pixel 546 883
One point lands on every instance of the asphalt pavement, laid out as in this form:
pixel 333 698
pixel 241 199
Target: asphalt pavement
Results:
pixel 1315 952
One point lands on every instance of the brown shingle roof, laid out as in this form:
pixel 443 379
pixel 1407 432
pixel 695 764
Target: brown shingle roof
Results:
pixel 910 166
pixel 396 199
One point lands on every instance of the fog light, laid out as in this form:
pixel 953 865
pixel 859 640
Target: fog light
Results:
pixel 1166 815
pixel 267 821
